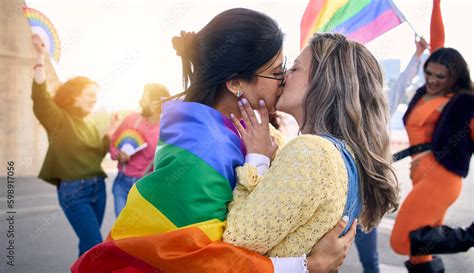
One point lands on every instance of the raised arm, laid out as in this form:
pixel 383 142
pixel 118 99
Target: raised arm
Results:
pixel 397 92
pixel 45 109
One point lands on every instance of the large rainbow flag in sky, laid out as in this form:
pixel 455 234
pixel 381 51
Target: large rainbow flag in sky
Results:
pixel 359 20
pixel 175 217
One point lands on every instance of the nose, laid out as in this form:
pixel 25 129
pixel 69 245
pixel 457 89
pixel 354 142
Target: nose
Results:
pixel 431 80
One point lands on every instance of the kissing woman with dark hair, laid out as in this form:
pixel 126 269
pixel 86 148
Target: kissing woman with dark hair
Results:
pixel 175 217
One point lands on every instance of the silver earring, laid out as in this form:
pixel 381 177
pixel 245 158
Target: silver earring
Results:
pixel 239 93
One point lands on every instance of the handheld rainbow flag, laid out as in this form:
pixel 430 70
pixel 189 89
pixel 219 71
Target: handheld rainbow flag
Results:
pixel 175 217
pixel 130 141
pixel 42 26
pixel 359 20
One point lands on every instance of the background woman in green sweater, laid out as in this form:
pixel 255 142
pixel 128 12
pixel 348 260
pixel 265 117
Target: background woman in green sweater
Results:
pixel 75 151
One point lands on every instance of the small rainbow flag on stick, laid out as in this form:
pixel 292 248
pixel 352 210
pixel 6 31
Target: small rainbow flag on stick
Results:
pixel 42 26
pixel 359 20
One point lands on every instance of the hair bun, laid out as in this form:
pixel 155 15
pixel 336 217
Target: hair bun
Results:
pixel 184 43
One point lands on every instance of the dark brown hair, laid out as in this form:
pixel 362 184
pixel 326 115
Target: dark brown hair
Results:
pixel 233 45
pixel 458 70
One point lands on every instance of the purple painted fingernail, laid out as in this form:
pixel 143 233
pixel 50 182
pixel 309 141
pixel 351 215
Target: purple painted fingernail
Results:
pixel 232 115
pixel 244 101
pixel 261 102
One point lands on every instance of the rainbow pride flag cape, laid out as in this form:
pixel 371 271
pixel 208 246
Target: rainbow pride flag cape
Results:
pixel 359 20
pixel 175 217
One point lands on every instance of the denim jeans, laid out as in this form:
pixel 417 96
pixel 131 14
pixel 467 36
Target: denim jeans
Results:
pixel 83 202
pixel 120 189
pixel 367 247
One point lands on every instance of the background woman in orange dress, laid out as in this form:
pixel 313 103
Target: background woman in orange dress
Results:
pixel 439 123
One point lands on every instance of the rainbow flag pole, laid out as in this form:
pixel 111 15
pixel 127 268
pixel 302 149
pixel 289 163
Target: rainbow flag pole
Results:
pixel 359 20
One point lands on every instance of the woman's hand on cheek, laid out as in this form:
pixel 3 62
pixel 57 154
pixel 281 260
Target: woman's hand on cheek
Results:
pixel 256 136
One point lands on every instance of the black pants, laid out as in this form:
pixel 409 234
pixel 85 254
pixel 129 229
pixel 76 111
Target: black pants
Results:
pixel 442 239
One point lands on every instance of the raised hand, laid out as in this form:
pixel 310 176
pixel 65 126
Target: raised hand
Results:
pixel 40 48
pixel 421 46
pixel 113 125
pixel 256 136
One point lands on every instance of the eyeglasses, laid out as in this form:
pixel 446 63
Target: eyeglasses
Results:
pixel 280 75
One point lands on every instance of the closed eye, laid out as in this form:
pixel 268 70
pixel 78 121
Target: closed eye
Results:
pixel 292 69
pixel 438 76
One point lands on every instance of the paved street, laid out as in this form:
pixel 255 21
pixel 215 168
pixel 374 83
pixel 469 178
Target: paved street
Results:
pixel 45 243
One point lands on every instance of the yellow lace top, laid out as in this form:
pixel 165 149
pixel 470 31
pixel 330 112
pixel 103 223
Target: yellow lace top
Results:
pixel 288 209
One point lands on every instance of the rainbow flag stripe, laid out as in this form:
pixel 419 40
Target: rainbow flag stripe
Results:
pixel 359 20
pixel 45 28
pixel 129 136
pixel 175 217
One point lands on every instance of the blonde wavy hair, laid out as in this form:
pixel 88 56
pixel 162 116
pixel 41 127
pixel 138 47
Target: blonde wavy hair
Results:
pixel 346 99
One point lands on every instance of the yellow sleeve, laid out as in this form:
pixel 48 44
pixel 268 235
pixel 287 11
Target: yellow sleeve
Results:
pixel 247 180
pixel 284 198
